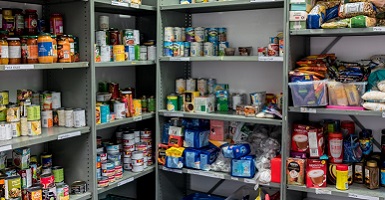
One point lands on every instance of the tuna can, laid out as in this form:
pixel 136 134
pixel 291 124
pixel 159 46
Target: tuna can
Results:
pixel 178 34
pixel 58 173
pixel 168 49
pixel 137 107
pixel 104 22
pixel 4 97
pixel 79 117
pixel 34 128
pixel 26 178
pixel 119 175
pixel 16 129
pixel 33 112
pixel 105 53
pixel 143 53
pixel 212 35
pixel 47 181
pixel 211 82
pixel 33 193
pixel 103 182
pixel 190 34
pixel 114 156
pixel 49 193
pixel 12 187
pixel 202 86
pixel 46 159
pixel 118 168
pixel 61 117
pixel 47 118
pixel 222 34
pixel 5 131
pixel 111 178
pixel 208 49
pixel 128 37
pixel 151 53
pixel 24 126
pixel 119 54
pixel 196 49
pixel 199 33
pixel 69 117
pixel 13 113
pixel 111 149
pixel 46 101
pixel 180 84
pixel 62 191
pixel 169 34
pixel 186 49
pixel 136 37
pixel 101 38
pixel 222 47
pixel 191 84
pixel 56 100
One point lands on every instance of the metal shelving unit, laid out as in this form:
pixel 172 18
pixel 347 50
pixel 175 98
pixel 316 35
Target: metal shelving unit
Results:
pixel 224 59
pixel 124 8
pixel 84 196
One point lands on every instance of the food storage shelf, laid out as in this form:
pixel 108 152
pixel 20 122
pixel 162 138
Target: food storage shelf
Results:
pixel 84 196
pixel 124 64
pixel 43 66
pixel 356 191
pixel 337 112
pixel 231 116
pixel 127 178
pixel 108 6
pixel 217 175
pixel 220 6
pixel 340 32
pixel 47 135
pixel 123 121
pixel 224 58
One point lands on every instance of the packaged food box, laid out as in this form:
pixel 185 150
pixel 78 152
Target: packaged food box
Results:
pixel 189 100
pixel 20 158
pixel 218 130
pixel 297 16
pixel 208 155
pixel 295 171
pixel 315 173
pixel 309 94
pixel 276 169
pixel 191 158
pixel 309 3
pixel 346 94
pixel 299 25
pixel 196 138
pixel 308 139
pixel 204 104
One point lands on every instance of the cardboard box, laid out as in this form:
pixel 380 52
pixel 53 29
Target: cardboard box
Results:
pixel 297 16
pixel 316 173
pixel 295 171
pixel 204 104
pixel 300 25
pixel 189 100
pixel 218 130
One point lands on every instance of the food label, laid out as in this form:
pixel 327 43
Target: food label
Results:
pixel 18 67
pixel 68 135
pixel 116 3
pixel 45 49
pixel 14 51
pixel 4 52
pixel 358 196
pixel 32 52
pixel 134 5
pixel 380 29
pixel 354 7
pixel 295 171
pixel 5 148
pixel 322 191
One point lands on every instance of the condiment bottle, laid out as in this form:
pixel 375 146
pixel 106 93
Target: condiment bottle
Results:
pixel 44 43
pixel 19 21
pixel 63 49
pixel 24 49
pixel 4 53
pixel 14 47
pixel 372 174
pixel 335 147
pixel 342 177
pixel 33 50
pixel 72 47
pixel 54 48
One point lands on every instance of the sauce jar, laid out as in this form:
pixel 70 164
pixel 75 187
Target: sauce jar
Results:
pixel 342 177
pixel 63 49
pixel 72 47
pixel 45 52
pixel 19 21
pixel 14 47
pixel 372 174
pixel 335 147
pixel 8 21
pixel 54 48
pixel 4 55
pixel 56 24
pixel 30 20
pixel 33 50
pixel 24 49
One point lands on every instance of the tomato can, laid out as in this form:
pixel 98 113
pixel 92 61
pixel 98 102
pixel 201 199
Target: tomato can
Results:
pixel 62 191
pixel 34 128
pixel 47 181
pixel 12 187
pixel 47 118
pixel 16 129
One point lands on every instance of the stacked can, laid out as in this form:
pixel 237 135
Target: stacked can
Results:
pixel 128 141
pixel 146 139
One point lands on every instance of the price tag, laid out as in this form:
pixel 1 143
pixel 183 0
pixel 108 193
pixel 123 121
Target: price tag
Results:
pixel 252 181
pixel 307 110
pixel 116 3
pixel 383 114
pixel 18 67
pixel 379 29
pixel 5 148
pixel 179 59
pixel 208 174
pixel 134 5
pixel 173 114
pixel 137 118
pixel 322 191
pixel 179 171
pixel 358 196
pixel 270 59
pixel 234 178
pixel 68 135
pixel 126 181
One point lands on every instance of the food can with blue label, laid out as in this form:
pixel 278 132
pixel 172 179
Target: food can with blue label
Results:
pixel 186 49
pixel 222 47
pixel 196 49
pixel 208 49
pixel 222 34
pixel 131 53
pixel 190 34
pixel 212 35
pixel 168 49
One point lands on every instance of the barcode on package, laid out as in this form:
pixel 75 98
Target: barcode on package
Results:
pixel 313 144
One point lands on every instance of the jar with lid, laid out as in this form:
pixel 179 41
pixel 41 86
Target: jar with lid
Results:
pixel 24 49
pixel 72 47
pixel 14 47
pixel 342 177
pixel 56 24
pixel 4 55
pixel 30 20
pixel 33 50
pixel 366 142
pixel 63 49
pixel 19 21
pixel 54 48
pixel 8 21
pixel 45 52
pixel 372 174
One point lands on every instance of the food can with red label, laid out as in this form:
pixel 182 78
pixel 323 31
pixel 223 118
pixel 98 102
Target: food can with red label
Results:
pixel 47 181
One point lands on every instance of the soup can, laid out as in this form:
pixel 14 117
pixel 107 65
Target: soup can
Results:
pixel 199 33
pixel 178 34
pixel 191 84
pixel 208 49
pixel 190 34
pixel 196 49
pixel 169 34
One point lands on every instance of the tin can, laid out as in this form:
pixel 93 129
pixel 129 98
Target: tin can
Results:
pixel 35 99
pixel 131 53
pixel 69 117
pixel 137 107
pixel 272 50
pixel 187 48
pixel 49 193
pixel 23 94
pixel 13 113
pixel 3 113
pixel 261 51
pixel 23 107
pixel 151 53
pixel 105 53
pixel 104 22
pixel 47 118
pixel 144 104
pixel 191 84
pixel 128 37
pixel 12 187
pixel 103 182
pixel 202 86
pixel 33 112
pixel 199 33
pixel 46 170
pixel 273 40
pixel 5 131
pixel 119 54
pixel 78 187
pixel 143 53
pixel 58 173
pixel 222 47
pixel 190 34
pixel 16 129
pixel 33 193
pixel 120 110
pixel 101 38
pixel 47 181
pixel 34 128
pixel 196 49
pixel 180 84
pixel 33 166
pixel 79 115
pixel 46 101
pixel 172 103
pixel 61 117
pixel 216 48
pixel 178 34
pixel 104 113
pixel 178 49
pixel 136 37
pixel 183 34
pixel 208 49
pixel 113 35
pixel 168 49
pixel 26 178
pixel 151 104
pixel 46 159
pixel 24 126
pixel 212 35
pixel 169 34
pixel 4 97
pixel 62 191
pixel 222 34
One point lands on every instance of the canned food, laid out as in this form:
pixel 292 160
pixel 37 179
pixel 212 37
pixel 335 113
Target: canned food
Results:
pixel 101 38
pixel 56 100
pixel 24 126
pixel 26 178
pixel 191 84
pixel 13 113
pixel 169 34
pixel 4 97
pixel 168 49
pixel 23 107
pixel 47 118
pixel 16 129
pixel 151 104
pixel 212 35
pixel 79 115
pixel 199 33
pixel 143 53
pixel 33 112
pixel 222 47
pixel 46 159
pixel 62 191
pixel 49 193
pixel 196 49
pixel 78 187
pixel 222 34
pixel 190 34
pixel 178 34
pixel 208 49
pixel 5 131
pixel 151 53
pixel 113 35
pixel 3 113
pixel 69 118
pixel 136 37
pixel 178 48
pixel 58 173
pixel 119 54
pixel 137 168
pixel 131 53
pixel 187 48
pixel 103 182
pixel 137 107
pixel 61 117
pixel 46 101
pixel 104 22
pixel 34 128
pixel 47 181
pixel 12 187
pixel 34 193
pixel 33 166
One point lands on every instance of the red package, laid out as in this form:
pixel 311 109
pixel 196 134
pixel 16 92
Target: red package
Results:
pixel 175 141
pixel 276 169
pixel 316 142
pixel 308 139
pixel 315 173
pixel 299 139
pixel 218 130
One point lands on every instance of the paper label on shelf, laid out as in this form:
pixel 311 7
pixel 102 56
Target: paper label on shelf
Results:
pixel 234 178
pixel 134 5
pixel 68 135
pixel 5 148
pixel 137 118
pixel 179 171
pixel 18 67
pixel 208 174
pixel 179 59
pixel 379 29
pixel 322 191
pixel 252 181
pixel 270 59
pixel 116 3
pixel 173 114
pixel 358 196
pixel 126 181
pixel 307 110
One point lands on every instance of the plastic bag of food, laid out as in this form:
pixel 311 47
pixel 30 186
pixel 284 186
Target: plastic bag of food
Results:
pixel 336 23
pixel 362 21
pixel 354 9
pixel 329 4
pixel 331 13
pixel 374 106
pixel 316 17
pixel 381 86
pixel 381 22
pixel 374 96
pixel 378 3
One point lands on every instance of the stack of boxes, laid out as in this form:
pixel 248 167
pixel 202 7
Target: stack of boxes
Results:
pixel 298 14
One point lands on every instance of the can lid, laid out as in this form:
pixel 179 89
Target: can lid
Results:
pixel 342 167
pixel 371 163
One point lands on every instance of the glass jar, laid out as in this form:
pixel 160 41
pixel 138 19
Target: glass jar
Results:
pixel 33 50
pixel 14 47
pixel 30 20
pixel 372 174
pixel 3 34
pixel 19 21
pixel 56 24
pixel 45 52
pixel 4 55
pixel 54 48
pixel 63 49
pixel 72 47
pixel 8 21
pixel 24 49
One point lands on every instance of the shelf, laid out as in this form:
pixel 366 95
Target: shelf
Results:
pixel 84 196
pixel 107 6
pixel 127 178
pixel 221 116
pixel 124 64
pixel 224 59
pixel 340 32
pixel 221 6
pixel 356 191
pixel 43 66
pixel 337 112
pixel 48 134
pixel 129 120
pixel 217 175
